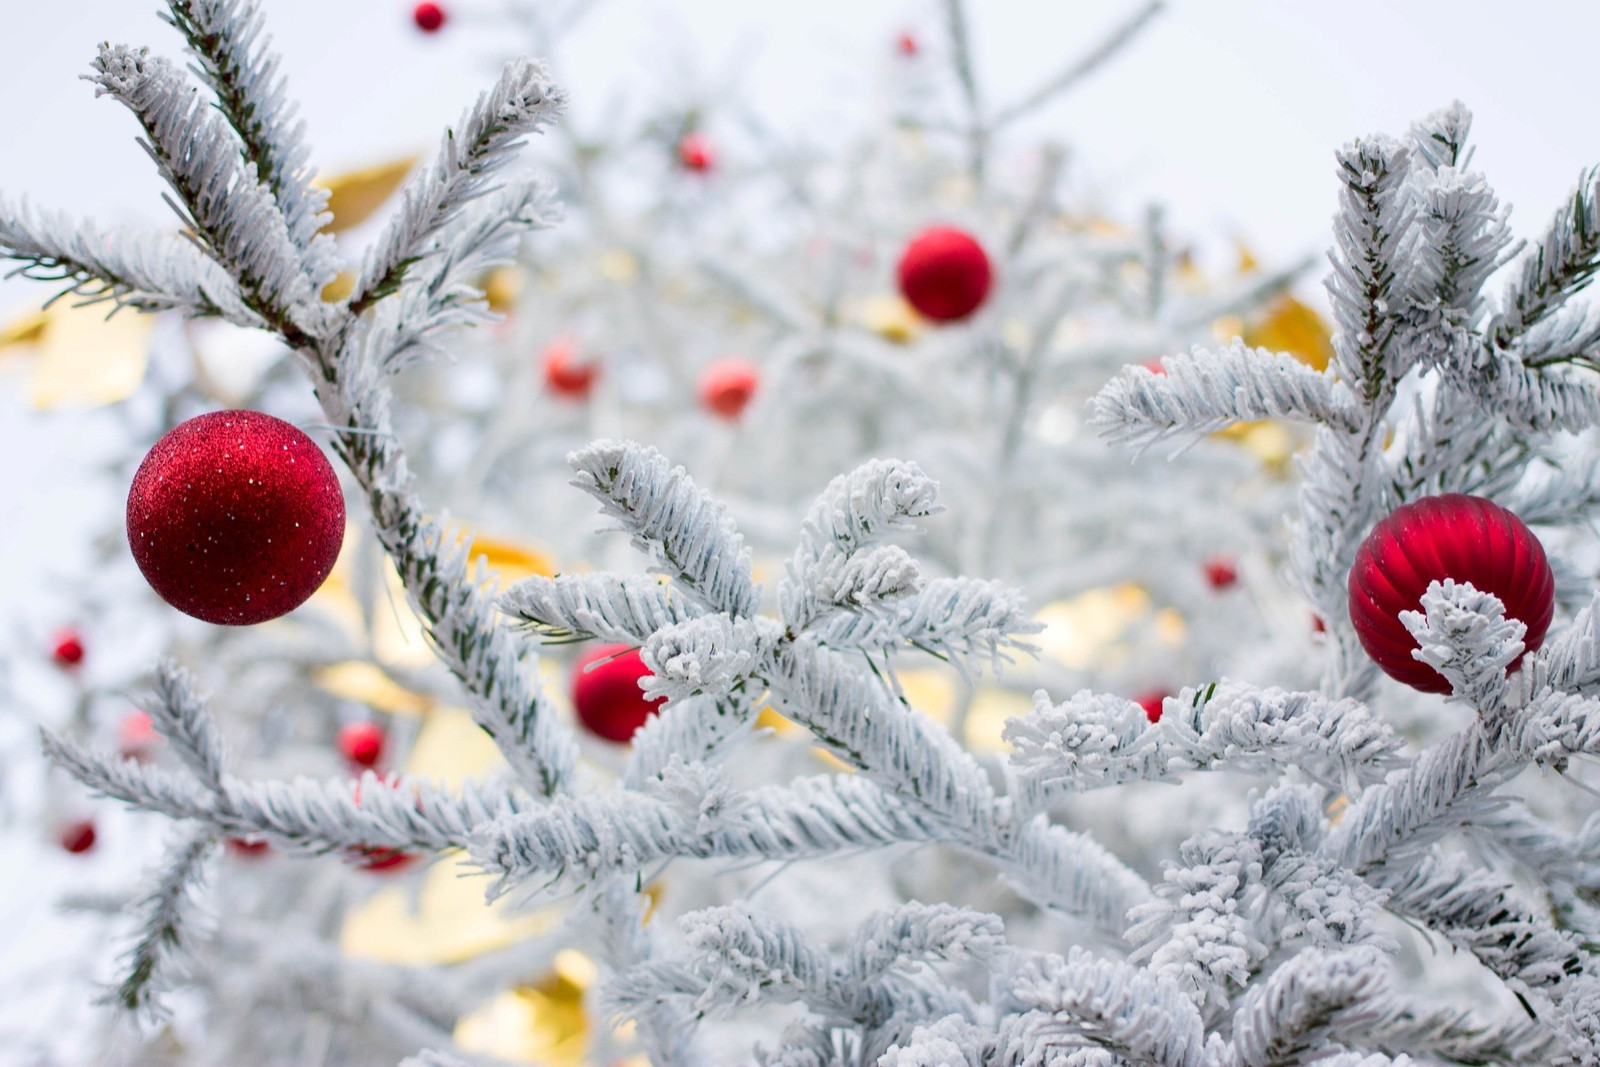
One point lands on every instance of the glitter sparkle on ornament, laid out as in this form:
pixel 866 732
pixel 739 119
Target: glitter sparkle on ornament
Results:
pixel 235 517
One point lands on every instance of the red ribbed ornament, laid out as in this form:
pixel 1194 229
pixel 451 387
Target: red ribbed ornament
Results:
pixel 944 273
pixel 607 696
pixel 235 517
pixel 1466 538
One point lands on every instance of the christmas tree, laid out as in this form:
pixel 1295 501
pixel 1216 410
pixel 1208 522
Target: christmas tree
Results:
pixel 982 865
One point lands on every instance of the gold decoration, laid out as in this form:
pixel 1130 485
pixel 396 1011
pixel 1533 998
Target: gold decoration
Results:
pixel 368 684
pixel 892 319
pixel 343 284
pixel 444 921
pixel 768 719
pixel 355 195
pixel 86 359
pixel 501 287
pixel 1247 261
pixel 1225 328
pixel 506 561
pixel 618 265
pixel 932 692
pixel 25 330
pixel 833 762
pixel 1270 442
pixel 986 717
pixel 538 1024
pixel 1085 630
pixel 397 635
pixel 1293 327
pixel 451 749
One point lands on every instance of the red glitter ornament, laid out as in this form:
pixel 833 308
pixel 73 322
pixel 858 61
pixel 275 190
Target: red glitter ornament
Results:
pixel 944 273
pixel 565 374
pixel 67 650
pixel 361 743
pixel 727 385
pixel 1151 702
pixel 607 697
pixel 696 153
pixel 78 837
pixel 1221 572
pixel 429 17
pixel 1466 538
pixel 235 517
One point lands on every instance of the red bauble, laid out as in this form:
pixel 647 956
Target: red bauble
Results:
pixel 565 374
pixel 235 517
pixel 428 16
pixel 607 697
pixel 727 385
pixel 361 743
pixel 944 273
pixel 67 649
pixel 380 860
pixel 247 847
pixel 1466 538
pixel 377 858
pixel 1221 572
pixel 1151 703
pixel 136 735
pixel 78 837
pixel 696 153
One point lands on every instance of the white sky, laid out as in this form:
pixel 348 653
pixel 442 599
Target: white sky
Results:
pixel 1226 111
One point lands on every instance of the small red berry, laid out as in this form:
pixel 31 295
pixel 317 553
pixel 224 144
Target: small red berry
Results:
pixel 1151 702
pixel 361 743
pixel 247 847
pixel 379 858
pixel 1221 572
pixel 607 696
pixel 68 649
pixel 727 385
pixel 1317 625
pixel 428 16
pixel 136 735
pixel 944 273
pixel 564 373
pixel 1154 366
pixel 78 837
pixel 907 44
pixel 384 859
pixel 696 153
